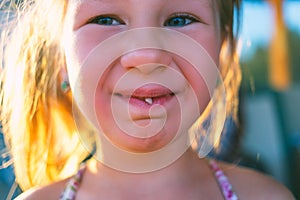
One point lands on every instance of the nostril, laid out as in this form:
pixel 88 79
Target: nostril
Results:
pixel 149 68
pixel 146 58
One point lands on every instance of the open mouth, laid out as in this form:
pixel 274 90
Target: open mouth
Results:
pixel 151 100
pixel 148 96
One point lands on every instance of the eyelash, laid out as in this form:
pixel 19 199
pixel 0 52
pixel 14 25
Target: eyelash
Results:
pixel 112 20
pixel 191 18
pixel 96 20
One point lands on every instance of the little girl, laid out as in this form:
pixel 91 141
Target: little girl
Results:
pixel 122 99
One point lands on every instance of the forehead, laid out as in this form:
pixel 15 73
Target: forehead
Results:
pixel 150 6
pixel 205 3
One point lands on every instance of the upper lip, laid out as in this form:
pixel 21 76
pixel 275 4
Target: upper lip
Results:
pixel 148 91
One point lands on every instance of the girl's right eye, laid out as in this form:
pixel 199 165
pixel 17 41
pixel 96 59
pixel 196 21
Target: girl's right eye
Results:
pixel 106 21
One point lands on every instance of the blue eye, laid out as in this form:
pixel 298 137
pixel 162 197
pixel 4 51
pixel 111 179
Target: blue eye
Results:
pixel 180 20
pixel 106 21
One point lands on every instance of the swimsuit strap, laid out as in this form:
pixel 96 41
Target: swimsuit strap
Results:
pixel 224 184
pixel 73 184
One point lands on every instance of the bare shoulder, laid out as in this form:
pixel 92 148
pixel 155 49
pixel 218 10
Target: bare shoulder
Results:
pixel 250 184
pixel 51 191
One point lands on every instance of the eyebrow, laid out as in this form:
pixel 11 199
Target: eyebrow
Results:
pixel 102 1
pixel 206 3
pixel 83 2
pixel 105 1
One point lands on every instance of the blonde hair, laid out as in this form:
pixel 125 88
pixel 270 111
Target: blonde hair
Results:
pixel 35 112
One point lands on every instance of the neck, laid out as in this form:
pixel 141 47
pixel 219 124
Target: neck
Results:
pixel 183 171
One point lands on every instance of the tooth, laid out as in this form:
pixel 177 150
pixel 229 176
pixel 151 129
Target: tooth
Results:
pixel 149 100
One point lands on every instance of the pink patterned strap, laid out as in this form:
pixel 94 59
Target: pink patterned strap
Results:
pixel 223 182
pixel 72 186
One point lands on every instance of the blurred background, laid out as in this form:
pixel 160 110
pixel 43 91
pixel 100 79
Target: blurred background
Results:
pixel 270 90
pixel 268 136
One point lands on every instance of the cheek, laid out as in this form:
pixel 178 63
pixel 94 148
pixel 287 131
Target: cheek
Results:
pixel 198 83
pixel 79 46
pixel 85 39
pixel 210 41
pixel 201 84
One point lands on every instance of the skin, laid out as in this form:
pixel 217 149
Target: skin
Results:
pixel 188 177
pixel 87 35
pixel 196 182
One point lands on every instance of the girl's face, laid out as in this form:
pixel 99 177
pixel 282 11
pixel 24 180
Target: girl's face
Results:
pixel 146 95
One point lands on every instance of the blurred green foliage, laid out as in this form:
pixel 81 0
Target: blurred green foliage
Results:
pixel 255 69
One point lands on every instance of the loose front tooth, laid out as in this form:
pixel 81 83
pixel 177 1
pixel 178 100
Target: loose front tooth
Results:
pixel 149 100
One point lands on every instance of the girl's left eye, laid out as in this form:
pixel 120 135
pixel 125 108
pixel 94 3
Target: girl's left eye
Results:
pixel 181 20
pixel 106 21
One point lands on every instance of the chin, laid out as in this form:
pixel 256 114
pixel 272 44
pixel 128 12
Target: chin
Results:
pixel 133 144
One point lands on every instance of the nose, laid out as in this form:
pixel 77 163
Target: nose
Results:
pixel 146 60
